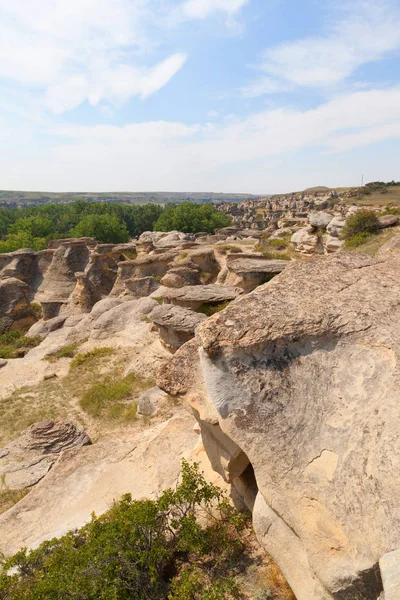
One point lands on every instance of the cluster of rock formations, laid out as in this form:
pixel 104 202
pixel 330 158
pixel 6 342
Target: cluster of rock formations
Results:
pixel 293 383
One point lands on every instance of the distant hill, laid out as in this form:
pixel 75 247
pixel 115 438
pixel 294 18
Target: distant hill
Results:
pixel 17 198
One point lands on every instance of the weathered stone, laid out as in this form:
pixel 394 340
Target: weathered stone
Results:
pixel 193 297
pixel 15 309
pixel 176 325
pixel 3 362
pixel 248 273
pixel 390 570
pixel 26 460
pixel 320 220
pixel 304 376
pixel 388 221
pixel 181 276
pixel 331 243
pixel 151 401
pixel 140 287
pixel 335 226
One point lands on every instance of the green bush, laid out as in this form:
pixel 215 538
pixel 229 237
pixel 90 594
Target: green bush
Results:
pixel 105 228
pixel 192 218
pixel 14 344
pixel 357 240
pixel 68 351
pixel 364 221
pixel 183 546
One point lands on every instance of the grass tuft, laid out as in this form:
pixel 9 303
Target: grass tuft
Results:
pixel 68 351
pixel 90 357
pixel 15 344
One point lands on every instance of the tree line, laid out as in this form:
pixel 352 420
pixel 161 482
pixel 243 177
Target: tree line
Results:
pixel 33 227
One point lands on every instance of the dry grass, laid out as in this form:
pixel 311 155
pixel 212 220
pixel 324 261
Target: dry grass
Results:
pixel 375 242
pixel 59 398
pixel 9 497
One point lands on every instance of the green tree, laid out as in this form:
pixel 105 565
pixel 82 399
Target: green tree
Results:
pixel 192 218
pixel 105 228
pixel 35 226
pixel 180 547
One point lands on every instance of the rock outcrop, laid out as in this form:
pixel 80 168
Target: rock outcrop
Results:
pixel 302 377
pixel 176 325
pixel 195 296
pixel 26 460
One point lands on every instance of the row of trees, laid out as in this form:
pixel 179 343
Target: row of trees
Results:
pixel 34 227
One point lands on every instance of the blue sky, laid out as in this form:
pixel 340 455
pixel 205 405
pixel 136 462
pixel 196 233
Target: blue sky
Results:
pixel 256 96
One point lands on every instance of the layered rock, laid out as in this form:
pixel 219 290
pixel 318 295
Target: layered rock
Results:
pixel 248 273
pixel 26 460
pixel 194 297
pixel 176 325
pixel 302 375
pixel 15 307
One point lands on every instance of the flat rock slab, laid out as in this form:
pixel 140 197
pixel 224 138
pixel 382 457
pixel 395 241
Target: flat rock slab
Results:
pixel 176 318
pixel 195 295
pixel 257 265
pixel 388 221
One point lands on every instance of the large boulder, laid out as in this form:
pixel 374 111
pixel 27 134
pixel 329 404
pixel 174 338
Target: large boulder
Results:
pixel 319 220
pixel 388 221
pixel 303 376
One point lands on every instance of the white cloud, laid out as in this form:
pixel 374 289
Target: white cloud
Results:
pixel 200 9
pixel 81 50
pixel 162 155
pixel 367 32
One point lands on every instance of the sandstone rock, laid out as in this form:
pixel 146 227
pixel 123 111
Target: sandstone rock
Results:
pixel 181 276
pixel 3 363
pixel 15 309
pixel 140 287
pixel 150 401
pixel 332 244
pixel 304 376
pixel 193 297
pixel 176 325
pixel 306 242
pixel 335 226
pixel 179 374
pixel 43 328
pixel 281 232
pixel 388 221
pixel 26 460
pixel 248 273
pixel 390 570
pixel 320 220
pixel 89 479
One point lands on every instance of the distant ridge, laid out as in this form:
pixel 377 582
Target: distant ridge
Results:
pixel 13 198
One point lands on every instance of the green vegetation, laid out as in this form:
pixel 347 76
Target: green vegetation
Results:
pixel 212 309
pixel 113 397
pixel 35 226
pixel 192 218
pixel 68 351
pixel 9 497
pixel 15 344
pixel 187 545
pixel 107 228
pixel 277 248
pixel 88 358
pixel 359 227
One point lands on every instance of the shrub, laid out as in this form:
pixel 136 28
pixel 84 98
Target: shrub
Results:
pixel 14 344
pixel 183 546
pixel 192 218
pixel 68 351
pixel 91 356
pixel 357 240
pixel 363 221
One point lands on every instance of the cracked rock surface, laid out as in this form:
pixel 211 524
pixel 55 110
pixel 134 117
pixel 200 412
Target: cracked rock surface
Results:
pixel 303 376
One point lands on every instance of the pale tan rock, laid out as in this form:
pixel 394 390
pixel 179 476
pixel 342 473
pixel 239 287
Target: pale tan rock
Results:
pixel 304 376
pixel 89 479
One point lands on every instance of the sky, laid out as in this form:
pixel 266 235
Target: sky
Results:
pixel 252 96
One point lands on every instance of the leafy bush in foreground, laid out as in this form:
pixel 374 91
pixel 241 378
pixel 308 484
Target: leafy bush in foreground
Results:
pixel 180 547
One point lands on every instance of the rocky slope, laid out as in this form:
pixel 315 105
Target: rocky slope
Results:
pixel 280 376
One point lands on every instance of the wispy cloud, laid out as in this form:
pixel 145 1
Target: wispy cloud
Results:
pixel 94 50
pixel 365 32
pixel 200 9
pixel 188 155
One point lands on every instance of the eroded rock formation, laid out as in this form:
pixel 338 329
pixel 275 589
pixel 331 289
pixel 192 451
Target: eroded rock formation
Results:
pixel 302 378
